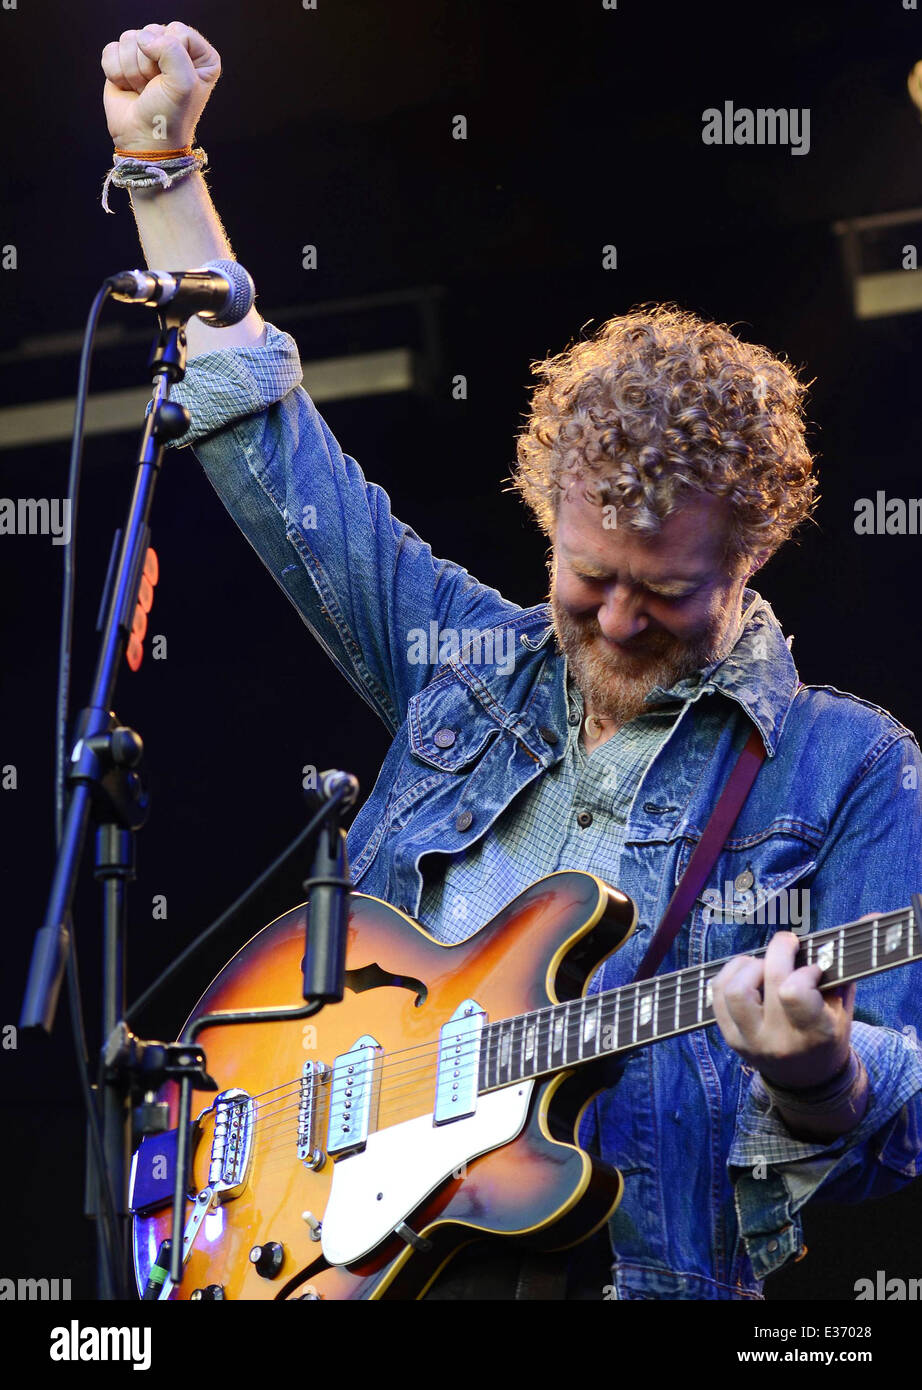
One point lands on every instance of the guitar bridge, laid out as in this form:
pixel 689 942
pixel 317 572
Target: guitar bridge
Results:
pixel 313 1074
pixel 230 1147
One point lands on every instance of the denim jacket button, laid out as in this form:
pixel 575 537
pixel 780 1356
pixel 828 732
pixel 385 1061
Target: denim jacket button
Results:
pixel 744 880
pixel 772 1246
pixel 464 821
pixel 444 738
pixel 549 736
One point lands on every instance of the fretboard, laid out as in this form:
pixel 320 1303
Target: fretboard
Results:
pixel 563 1035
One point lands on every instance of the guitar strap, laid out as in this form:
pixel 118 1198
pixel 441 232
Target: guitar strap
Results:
pixel 713 838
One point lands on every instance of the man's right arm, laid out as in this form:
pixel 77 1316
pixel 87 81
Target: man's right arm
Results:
pixel 158 80
pixel 368 588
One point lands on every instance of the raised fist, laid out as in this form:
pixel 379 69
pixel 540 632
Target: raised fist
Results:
pixel 158 80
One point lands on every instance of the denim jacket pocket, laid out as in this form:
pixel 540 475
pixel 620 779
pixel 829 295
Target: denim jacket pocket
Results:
pixel 448 727
pixel 755 889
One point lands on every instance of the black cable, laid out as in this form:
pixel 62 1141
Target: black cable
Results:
pixel 236 907
pixel 67 596
pixel 111 1242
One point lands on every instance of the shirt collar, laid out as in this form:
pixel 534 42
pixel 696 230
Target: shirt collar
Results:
pixel 758 672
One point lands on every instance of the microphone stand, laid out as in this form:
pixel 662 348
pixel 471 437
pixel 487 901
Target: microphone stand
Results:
pixel 106 788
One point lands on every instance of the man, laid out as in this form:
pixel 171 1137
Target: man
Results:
pixel 666 461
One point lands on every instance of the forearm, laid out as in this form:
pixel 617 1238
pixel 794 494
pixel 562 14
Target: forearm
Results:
pixel 179 228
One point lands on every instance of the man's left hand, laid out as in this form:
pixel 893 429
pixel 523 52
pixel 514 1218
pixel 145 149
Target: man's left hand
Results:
pixel 774 1016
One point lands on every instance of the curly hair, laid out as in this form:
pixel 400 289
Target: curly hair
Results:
pixel 659 404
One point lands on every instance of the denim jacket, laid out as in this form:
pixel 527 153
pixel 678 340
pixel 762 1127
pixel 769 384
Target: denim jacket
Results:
pixel 714 1183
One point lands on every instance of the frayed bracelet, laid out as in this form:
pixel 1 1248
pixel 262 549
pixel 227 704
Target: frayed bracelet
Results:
pixel 136 171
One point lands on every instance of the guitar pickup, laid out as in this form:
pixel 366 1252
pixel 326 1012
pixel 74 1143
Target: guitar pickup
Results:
pixel 354 1096
pixel 458 1075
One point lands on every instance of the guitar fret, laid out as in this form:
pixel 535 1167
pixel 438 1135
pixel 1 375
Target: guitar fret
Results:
pixel 573 1041
pixel 505 1048
pixel 558 1035
pixel 518 1043
pixel 529 1045
pixel 493 1064
pixel 542 1026
pixel 607 1007
pixel 591 1025
pixel 709 995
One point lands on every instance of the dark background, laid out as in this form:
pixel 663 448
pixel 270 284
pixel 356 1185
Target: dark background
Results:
pixel 333 127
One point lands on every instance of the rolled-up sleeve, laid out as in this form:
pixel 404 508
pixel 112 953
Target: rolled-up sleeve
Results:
pixel 228 384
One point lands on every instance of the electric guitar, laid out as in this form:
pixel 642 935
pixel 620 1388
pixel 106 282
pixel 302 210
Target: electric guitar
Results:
pixel 353 1155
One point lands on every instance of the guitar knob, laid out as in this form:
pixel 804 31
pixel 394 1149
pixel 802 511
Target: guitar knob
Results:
pixel 214 1293
pixel 267 1259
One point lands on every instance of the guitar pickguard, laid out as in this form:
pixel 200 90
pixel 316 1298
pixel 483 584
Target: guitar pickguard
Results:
pixel 374 1191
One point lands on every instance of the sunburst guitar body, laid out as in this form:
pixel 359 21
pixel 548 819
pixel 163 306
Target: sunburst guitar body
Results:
pixel 352 1155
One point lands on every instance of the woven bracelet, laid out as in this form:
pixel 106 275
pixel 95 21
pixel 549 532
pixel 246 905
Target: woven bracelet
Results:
pixel 135 171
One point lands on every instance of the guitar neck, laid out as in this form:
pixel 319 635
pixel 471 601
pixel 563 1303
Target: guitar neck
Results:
pixel 564 1035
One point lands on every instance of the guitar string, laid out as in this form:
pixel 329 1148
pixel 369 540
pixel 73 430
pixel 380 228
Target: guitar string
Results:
pixel 670 987
pixel 574 1026
pixel 573 1022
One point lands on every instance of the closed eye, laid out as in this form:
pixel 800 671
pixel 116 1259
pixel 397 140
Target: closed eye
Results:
pixel 654 593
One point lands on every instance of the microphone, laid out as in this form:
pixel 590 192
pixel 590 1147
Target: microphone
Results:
pixel 222 292
pixel 329 784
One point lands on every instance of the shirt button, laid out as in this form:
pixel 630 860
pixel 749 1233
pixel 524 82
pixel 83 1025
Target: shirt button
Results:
pixel 584 819
pixel 444 738
pixel 464 821
pixel 549 736
pixel 574 718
